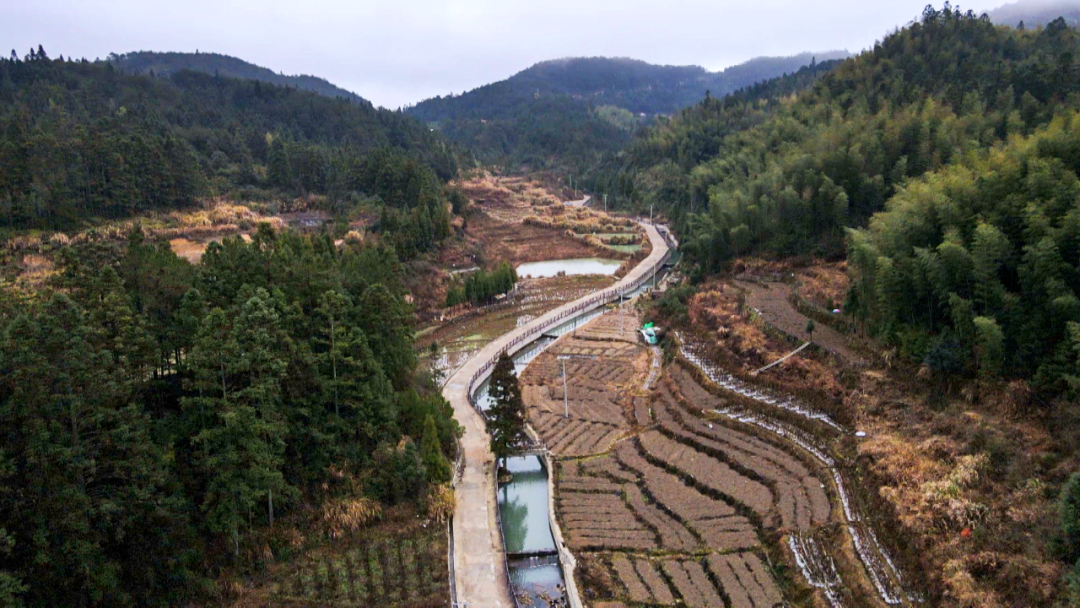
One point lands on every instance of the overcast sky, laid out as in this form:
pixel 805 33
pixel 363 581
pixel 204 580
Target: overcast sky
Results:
pixel 397 52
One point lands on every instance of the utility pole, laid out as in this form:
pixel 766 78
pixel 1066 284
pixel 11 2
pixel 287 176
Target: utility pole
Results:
pixel 565 399
pixel 650 213
pixel 605 202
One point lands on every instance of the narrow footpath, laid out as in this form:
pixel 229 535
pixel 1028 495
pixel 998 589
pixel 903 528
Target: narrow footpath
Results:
pixel 479 568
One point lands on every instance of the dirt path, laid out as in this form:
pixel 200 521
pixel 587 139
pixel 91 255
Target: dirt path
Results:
pixel 771 300
pixel 479 569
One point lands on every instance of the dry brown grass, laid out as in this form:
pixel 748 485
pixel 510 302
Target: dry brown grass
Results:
pixel 345 515
pixel 822 283
pixel 964 479
pixel 440 504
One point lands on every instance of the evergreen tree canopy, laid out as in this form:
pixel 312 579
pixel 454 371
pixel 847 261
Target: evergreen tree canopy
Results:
pixel 506 417
pixel 151 410
pixel 81 140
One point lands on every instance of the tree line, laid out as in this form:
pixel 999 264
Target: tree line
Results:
pixel 787 175
pixel 950 144
pixel 481 287
pixel 83 140
pixel 976 267
pixel 155 414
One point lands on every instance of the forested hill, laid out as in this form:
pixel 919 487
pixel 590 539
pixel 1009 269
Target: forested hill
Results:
pixel 166 64
pixel 951 145
pixel 570 113
pixel 625 83
pixel 85 140
pixel 1034 13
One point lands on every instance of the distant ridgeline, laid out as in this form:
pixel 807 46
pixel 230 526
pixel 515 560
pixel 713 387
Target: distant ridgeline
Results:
pixel 569 112
pixel 83 140
pixel 1034 13
pixel 943 162
pixel 167 64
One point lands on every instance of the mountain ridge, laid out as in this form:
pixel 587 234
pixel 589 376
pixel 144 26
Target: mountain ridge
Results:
pixel 169 62
pixel 632 84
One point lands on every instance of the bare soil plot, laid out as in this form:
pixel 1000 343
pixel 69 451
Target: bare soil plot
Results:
pixel 714 521
pixel 692 583
pixel 710 472
pixel 628 576
pixel 673 535
pixel 771 300
pixel 601 522
pixel 597 391
pixel 652 579
pixel 745 580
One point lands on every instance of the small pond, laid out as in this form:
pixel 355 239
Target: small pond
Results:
pixel 552 268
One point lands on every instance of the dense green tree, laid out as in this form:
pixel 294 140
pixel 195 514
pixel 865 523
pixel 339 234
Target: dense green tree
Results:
pixel 761 171
pixel 151 409
pixel 92 499
pixel 506 416
pixel 481 287
pixel 435 463
pixel 977 255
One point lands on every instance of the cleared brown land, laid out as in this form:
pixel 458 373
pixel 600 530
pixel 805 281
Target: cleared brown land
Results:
pixel 771 299
pixel 745 580
pixel 800 498
pixel 666 506
pixel 708 471
pixel 599 392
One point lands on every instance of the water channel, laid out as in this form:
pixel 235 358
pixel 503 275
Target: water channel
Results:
pixel 527 534
pixel 523 502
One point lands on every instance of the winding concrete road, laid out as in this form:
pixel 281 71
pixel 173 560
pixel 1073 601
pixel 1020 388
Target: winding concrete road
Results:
pixel 479 567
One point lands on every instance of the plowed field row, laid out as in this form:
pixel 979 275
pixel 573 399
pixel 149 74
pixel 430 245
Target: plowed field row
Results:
pixel 800 499
pixel 714 521
pixel 738 580
pixel 708 471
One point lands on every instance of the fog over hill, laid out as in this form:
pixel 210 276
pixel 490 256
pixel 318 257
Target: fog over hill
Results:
pixel 1037 12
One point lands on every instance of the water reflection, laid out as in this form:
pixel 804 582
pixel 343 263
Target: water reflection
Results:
pixel 551 268
pixel 523 504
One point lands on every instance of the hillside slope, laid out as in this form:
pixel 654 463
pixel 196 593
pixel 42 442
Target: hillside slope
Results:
pixel 166 64
pixel 942 164
pixel 569 113
pixel 630 84
pixel 83 140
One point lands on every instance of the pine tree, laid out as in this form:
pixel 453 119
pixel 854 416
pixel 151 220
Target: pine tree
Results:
pixel 506 417
pixel 437 466
pixel 77 446
pixel 241 450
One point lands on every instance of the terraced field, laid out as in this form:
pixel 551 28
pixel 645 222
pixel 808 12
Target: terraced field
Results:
pixel 608 368
pixel 666 503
